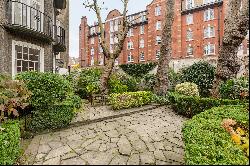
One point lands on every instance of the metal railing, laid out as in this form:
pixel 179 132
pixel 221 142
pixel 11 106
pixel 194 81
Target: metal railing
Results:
pixel 28 17
pixel 60 35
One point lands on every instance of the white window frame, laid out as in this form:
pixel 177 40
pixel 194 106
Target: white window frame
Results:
pixel 92 51
pixel 158 40
pixel 130 57
pixel 191 34
pixel 208 1
pixel 208 13
pixel 142 58
pixel 207 49
pixel 208 33
pixel 28 45
pixel 130 32
pixel 142 43
pixel 157 10
pixel 142 28
pixel 190 47
pixel 189 4
pixel 190 19
pixel 130 45
pixel 158 25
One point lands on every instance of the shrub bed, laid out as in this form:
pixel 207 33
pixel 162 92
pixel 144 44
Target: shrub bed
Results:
pixel 9 142
pixel 51 117
pixel 46 88
pixel 192 105
pixel 208 143
pixel 235 89
pixel 130 99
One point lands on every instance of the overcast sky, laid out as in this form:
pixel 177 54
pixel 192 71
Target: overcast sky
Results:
pixel 77 10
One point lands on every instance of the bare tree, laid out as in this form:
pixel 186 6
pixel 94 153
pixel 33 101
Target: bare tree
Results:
pixel 236 27
pixel 110 57
pixel 161 85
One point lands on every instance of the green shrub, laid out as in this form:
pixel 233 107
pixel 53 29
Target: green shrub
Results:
pixel 208 143
pixel 52 117
pixel 187 88
pixel 161 100
pixel 192 105
pixel 74 100
pixel 130 99
pixel 148 82
pixel 46 88
pixel 202 74
pixel 9 142
pixel 174 78
pixel 116 85
pixel 138 70
pixel 131 82
pixel 89 82
pixel 235 89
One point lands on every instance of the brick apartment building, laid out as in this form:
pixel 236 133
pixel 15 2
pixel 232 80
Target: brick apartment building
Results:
pixel 197 34
pixel 33 35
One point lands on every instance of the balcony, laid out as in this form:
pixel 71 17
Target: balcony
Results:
pixel 192 8
pixel 59 45
pixel 27 21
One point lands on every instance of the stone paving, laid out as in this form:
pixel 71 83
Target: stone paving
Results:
pixel 95 113
pixel 150 137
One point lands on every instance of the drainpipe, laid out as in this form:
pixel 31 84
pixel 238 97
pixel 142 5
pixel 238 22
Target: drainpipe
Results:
pixel 219 40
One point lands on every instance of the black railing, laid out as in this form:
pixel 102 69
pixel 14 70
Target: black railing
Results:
pixel 60 35
pixel 29 18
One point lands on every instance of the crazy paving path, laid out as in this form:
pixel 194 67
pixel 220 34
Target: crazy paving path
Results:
pixel 150 137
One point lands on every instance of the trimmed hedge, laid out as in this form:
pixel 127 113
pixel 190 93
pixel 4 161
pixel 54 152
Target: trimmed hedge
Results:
pixel 190 106
pixel 130 99
pixel 9 142
pixel 51 117
pixel 208 143
pixel 138 70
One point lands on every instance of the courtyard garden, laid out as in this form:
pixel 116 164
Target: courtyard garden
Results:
pixel 47 118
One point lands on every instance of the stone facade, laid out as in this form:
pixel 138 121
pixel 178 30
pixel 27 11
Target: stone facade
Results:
pixel 197 34
pixel 11 32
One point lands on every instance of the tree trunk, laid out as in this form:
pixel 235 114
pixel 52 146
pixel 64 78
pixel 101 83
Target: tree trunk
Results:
pixel 106 75
pixel 236 27
pixel 161 85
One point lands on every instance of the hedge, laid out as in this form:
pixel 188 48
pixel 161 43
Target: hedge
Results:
pixel 208 143
pixel 138 70
pixel 190 106
pixel 9 142
pixel 51 117
pixel 130 99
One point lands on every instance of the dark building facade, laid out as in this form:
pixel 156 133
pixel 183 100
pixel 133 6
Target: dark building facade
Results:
pixel 32 34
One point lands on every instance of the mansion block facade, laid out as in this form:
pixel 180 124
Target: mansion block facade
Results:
pixel 197 33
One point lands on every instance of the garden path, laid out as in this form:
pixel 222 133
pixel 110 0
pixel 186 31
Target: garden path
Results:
pixel 148 137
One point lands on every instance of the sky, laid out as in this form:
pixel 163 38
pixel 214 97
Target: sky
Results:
pixel 77 10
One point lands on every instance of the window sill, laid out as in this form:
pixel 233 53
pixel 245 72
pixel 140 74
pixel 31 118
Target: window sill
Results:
pixel 189 56
pixel 189 40
pixel 209 37
pixel 209 54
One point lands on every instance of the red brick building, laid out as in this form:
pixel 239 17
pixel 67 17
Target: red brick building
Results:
pixel 197 33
